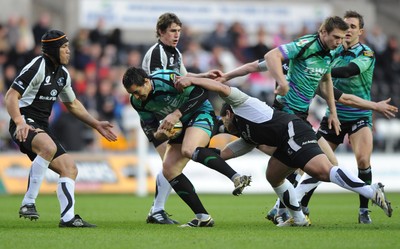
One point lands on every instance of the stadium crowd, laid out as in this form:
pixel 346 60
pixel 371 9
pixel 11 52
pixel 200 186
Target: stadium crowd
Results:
pixel 101 56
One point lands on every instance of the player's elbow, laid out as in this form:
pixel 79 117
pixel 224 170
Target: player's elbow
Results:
pixel 224 90
pixel 345 99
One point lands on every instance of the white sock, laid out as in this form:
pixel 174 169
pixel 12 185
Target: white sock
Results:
pixel 278 201
pixel 202 216
pixel 163 191
pixel 306 184
pixel 36 176
pixel 346 179
pixel 234 176
pixel 287 195
pixel 66 197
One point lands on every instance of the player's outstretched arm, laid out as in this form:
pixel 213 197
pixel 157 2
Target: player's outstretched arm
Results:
pixel 212 74
pixel 389 111
pixel 209 84
pixel 80 112
pixel 245 69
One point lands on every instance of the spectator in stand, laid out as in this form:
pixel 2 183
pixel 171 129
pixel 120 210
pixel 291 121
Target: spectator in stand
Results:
pixel 115 42
pixel 218 37
pixel 106 102
pixel 12 30
pixel 261 46
pixel 20 55
pixel 5 46
pixel 134 58
pixel 281 37
pixel 81 45
pixel 388 54
pixel 41 27
pixel 98 34
pixel 377 40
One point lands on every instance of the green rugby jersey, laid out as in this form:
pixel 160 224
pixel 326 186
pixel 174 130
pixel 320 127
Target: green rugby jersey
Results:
pixel 309 62
pixel 359 85
pixel 165 99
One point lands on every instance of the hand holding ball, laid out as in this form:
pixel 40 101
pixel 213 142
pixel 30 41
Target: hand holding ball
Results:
pixel 175 131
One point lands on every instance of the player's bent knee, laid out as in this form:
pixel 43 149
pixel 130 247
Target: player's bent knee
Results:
pixel 187 152
pixel 273 180
pixel 48 151
pixel 73 170
pixel 170 174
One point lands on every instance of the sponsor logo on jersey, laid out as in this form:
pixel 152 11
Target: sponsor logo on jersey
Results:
pixel 171 61
pixel 47 81
pixel 173 77
pixel 368 53
pixel 53 96
pixel 47 98
pixel 61 81
pixel 285 66
pixel 246 135
pixel 301 42
pixel 319 71
pixel 309 142
pixel 20 84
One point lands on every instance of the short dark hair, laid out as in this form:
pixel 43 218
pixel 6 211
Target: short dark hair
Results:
pixel 225 107
pixel 134 76
pixel 165 20
pixel 334 22
pixel 355 14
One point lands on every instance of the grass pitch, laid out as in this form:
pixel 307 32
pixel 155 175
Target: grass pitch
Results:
pixel 239 223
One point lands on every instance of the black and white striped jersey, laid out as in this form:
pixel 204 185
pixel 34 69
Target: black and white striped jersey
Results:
pixel 40 83
pixel 161 56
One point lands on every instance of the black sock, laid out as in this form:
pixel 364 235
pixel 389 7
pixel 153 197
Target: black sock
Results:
pixel 212 160
pixel 366 176
pixel 281 205
pixel 306 198
pixel 292 178
pixel 184 188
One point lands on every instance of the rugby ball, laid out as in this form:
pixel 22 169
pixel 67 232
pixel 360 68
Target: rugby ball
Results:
pixel 177 130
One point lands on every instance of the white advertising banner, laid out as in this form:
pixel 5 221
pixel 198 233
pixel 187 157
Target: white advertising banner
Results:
pixel 203 15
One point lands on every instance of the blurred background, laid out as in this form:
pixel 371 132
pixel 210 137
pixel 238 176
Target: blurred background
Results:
pixel 107 36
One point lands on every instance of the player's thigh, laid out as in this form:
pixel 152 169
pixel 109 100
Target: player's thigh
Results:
pixel 194 137
pixel 65 166
pixel 319 167
pixel 43 145
pixel 161 149
pixel 362 144
pixel 277 172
